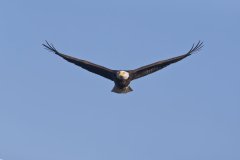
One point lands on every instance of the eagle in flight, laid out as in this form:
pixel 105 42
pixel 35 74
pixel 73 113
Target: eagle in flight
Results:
pixel 122 78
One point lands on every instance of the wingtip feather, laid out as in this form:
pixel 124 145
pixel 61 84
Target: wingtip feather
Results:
pixel 196 48
pixel 50 47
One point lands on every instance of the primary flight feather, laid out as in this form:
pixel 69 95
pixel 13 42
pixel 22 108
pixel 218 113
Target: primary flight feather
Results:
pixel 122 78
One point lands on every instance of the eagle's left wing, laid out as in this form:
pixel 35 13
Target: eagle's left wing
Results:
pixel 94 68
pixel 148 69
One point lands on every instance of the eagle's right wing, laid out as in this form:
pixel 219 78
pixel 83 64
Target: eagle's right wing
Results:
pixel 94 68
pixel 148 69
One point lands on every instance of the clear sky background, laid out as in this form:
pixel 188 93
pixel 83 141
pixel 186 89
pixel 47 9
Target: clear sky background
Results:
pixel 53 110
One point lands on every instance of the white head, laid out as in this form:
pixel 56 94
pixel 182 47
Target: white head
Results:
pixel 123 75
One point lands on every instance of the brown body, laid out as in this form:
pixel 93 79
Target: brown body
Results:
pixel 122 85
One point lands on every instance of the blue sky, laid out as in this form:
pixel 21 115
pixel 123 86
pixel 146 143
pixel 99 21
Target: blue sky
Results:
pixel 51 109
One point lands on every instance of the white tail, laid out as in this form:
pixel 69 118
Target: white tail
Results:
pixel 122 90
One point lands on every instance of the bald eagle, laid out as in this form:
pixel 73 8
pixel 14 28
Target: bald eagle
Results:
pixel 122 78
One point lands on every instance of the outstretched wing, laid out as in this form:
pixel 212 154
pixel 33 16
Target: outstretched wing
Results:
pixel 148 69
pixel 94 68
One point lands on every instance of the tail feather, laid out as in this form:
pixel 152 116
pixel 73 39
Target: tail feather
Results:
pixel 122 90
